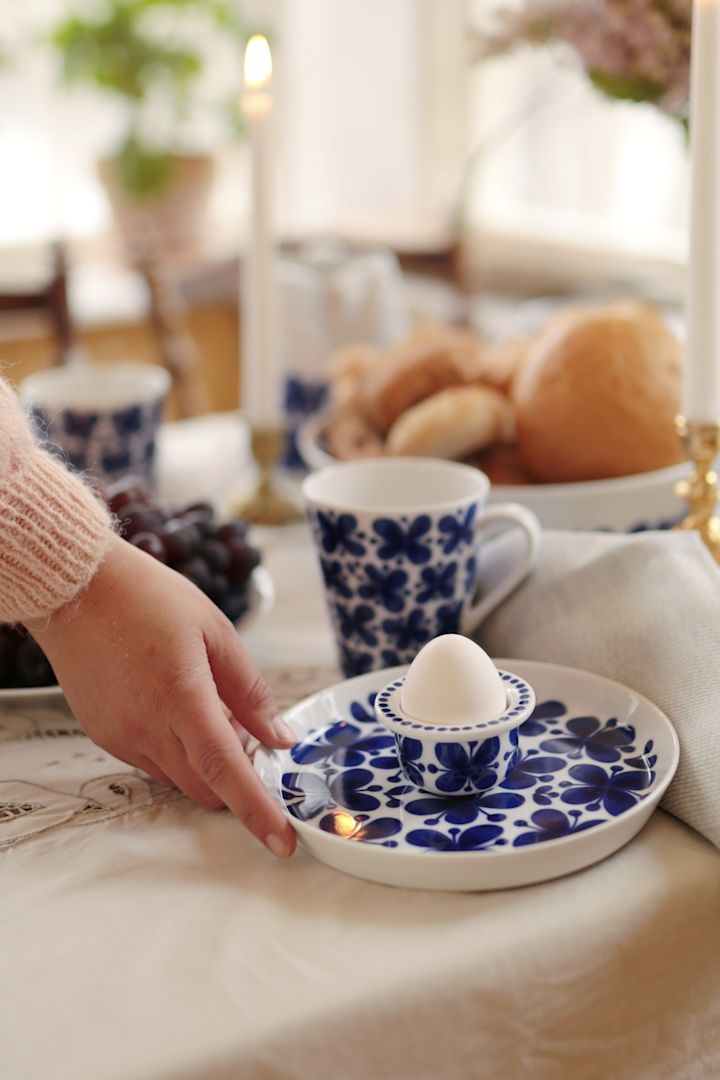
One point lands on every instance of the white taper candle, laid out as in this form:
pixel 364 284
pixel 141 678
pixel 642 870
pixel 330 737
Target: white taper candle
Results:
pixel 261 376
pixel 701 398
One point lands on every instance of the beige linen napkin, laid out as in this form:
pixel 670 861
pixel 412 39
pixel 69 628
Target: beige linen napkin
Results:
pixel 641 609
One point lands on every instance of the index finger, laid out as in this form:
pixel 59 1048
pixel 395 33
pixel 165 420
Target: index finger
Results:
pixel 218 757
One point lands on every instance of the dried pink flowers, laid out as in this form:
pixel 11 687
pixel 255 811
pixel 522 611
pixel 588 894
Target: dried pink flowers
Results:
pixel 638 50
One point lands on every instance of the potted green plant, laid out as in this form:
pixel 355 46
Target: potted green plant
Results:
pixel 159 59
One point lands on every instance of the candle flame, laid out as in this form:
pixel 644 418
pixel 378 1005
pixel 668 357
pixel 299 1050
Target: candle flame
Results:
pixel 344 824
pixel 258 63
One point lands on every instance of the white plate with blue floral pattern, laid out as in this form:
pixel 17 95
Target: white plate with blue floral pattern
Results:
pixel 596 758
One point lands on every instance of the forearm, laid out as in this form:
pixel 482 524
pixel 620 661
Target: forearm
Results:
pixel 53 531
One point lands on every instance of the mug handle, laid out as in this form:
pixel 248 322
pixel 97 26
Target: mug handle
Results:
pixel 524 519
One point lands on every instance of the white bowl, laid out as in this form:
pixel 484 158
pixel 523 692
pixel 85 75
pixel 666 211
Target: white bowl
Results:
pixel 623 504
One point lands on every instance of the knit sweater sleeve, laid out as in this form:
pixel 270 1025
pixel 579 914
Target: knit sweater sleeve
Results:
pixel 53 531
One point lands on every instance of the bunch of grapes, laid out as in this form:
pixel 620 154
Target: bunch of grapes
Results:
pixel 216 557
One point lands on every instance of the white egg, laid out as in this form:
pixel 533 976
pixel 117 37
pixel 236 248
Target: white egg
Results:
pixel 452 681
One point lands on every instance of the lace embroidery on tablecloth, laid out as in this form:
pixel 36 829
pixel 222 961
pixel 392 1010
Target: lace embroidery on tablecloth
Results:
pixel 53 776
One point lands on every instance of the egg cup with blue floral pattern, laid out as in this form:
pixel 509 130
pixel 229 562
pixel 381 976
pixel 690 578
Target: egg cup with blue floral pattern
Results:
pixel 458 759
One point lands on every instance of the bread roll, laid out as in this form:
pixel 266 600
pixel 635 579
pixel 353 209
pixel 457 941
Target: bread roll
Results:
pixel 350 369
pixel 452 424
pixel 413 375
pixel 597 394
pixel 349 435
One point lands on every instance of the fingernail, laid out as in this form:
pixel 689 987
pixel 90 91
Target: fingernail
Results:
pixel 277 846
pixel 284 732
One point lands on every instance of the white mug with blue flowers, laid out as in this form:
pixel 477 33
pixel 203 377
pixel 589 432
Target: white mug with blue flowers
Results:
pixel 100 418
pixel 399 542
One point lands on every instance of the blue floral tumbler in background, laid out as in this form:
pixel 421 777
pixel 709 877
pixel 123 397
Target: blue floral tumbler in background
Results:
pixel 100 418
pixel 399 542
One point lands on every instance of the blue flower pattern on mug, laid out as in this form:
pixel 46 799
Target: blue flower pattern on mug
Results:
pixel 355 622
pixel 448 619
pixel 404 541
pixel 408 633
pixel 397 568
pixel 459 530
pixel 109 444
pixel 437 582
pixel 302 398
pixel 346 776
pixel 384 585
pixel 333 576
pixel 337 533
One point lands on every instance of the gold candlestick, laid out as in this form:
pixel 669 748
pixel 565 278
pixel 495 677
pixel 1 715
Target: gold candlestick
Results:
pixel 702 443
pixel 266 506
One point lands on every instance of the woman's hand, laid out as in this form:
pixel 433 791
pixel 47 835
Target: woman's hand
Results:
pixel 156 675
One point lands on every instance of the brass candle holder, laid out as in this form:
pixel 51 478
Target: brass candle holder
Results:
pixel 702 443
pixel 266 506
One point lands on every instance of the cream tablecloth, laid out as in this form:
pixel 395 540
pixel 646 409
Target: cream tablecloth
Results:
pixel 142 938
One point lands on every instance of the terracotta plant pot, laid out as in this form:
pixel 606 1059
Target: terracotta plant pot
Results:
pixel 173 219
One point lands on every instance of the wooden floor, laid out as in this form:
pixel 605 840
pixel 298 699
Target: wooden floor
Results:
pixel 27 347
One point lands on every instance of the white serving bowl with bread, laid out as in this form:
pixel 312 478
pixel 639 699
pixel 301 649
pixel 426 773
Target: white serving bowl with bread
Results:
pixel 577 423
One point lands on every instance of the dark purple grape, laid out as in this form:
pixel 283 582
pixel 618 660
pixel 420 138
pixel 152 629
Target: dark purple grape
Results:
pixel 243 560
pixel 232 530
pixel 33 667
pixel 218 588
pixel 206 530
pixel 181 540
pixel 136 519
pixel 129 490
pixel 9 641
pixel 216 555
pixel 151 543
pixel 197 571
pixel 198 511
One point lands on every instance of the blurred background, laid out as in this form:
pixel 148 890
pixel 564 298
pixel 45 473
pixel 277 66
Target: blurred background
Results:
pixel 506 153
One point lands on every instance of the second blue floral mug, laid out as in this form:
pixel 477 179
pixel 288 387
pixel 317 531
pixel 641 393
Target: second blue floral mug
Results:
pixel 399 542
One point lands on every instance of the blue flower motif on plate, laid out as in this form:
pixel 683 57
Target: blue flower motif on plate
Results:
pixel 399 542
pixel 551 825
pixel 480 836
pixel 355 789
pixel 344 745
pixel 337 533
pixel 616 791
pixel 360 828
pixel 362 713
pixel 436 582
pixel 345 778
pixel 546 710
pixel 436 808
pixel 529 771
pixel 385 586
pixel 458 530
pixel 601 742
